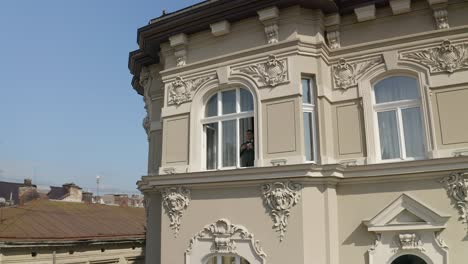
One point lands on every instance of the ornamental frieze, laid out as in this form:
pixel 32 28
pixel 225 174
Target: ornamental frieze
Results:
pixel 180 91
pixel 456 185
pixel 279 198
pixel 267 74
pixel 346 74
pixel 175 201
pixel 445 58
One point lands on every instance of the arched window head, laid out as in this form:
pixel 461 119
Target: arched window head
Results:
pixel 398 110
pixel 229 129
pixel 408 259
pixel 219 259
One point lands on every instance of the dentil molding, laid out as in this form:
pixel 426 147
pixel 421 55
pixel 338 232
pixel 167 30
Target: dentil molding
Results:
pixel 270 73
pixel 279 198
pixel 456 185
pixel 180 90
pixel 445 58
pixel 345 74
pixel 175 201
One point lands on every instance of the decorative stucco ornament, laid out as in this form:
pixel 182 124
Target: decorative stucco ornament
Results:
pixel 223 235
pixel 445 58
pixel 180 90
pixel 346 74
pixel 271 33
pixel 269 73
pixel 145 78
pixel 146 124
pixel 410 242
pixel 456 185
pixel 279 198
pixel 441 18
pixel 145 81
pixel 175 201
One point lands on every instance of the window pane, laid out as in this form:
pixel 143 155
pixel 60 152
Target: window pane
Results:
pixel 306 95
pixel 229 260
pixel 229 143
pixel 396 88
pixel 211 131
pixel 247 147
pixel 388 131
pixel 212 106
pixel 308 136
pixel 414 136
pixel 229 102
pixel 246 101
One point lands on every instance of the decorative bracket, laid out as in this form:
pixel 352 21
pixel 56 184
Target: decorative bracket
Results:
pixel 445 58
pixel 180 90
pixel 269 18
pixel 279 198
pixel 175 201
pixel 345 75
pixel 270 73
pixel 145 81
pixel 441 18
pixel 456 185
pixel 179 43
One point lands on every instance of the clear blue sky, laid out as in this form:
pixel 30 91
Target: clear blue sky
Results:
pixel 67 109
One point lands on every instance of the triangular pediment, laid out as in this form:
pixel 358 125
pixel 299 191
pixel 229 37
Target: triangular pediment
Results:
pixel 406 213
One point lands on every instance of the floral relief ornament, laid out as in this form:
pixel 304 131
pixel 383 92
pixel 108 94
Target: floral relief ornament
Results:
pixel 445 58
pixel 279 198
pixel 180 90
pixel 269 73
pixel 346 74
pixel 456 185
pixel 409 242
pixel 175 201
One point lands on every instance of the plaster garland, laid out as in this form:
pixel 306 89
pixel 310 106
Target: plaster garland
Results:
pixel 445 58
pixel 456 185
pixel 223 234
pixel 345 75
pixel 279 198
pixel 180 90
pixel 175 201
pixel 270 73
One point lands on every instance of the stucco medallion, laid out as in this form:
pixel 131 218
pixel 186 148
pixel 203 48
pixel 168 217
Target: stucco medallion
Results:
pixel 175 201
pixel 279 198
pixel 180 90
pixel 445 58
pixel 345 74
pixel 408 241
pixel 270 73
pixel 456 185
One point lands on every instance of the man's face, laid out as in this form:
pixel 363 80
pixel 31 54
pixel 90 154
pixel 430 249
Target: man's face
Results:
pixel 249 135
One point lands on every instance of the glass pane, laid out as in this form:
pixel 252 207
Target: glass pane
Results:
pixel 414 136
pixel 212 106
pixel 211 131
pixel 308 136
pixel 306 95
pixel 229 143
pixel 229 102
pixel 388 131
pixel 247 148
pixel 246 101
pixel 229 260
pixel 396 88
pixel 212 260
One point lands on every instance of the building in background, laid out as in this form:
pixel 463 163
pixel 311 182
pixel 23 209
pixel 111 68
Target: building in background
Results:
pixel 353 117
pixel 43 231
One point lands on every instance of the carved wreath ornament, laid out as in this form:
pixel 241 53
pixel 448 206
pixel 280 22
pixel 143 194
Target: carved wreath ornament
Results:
pixel 175 201
pixel 270 73
pixel 224 235
pixel 456 185
pixel 445 58
pixel 346 74
pixel 279 198
pixel 180 90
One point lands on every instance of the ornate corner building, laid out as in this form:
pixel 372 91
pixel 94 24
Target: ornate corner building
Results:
pixel 287 131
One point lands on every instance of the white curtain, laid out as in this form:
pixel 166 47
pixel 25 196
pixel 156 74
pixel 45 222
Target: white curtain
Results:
pixel 396 88
pixel 308 135
pixel 229 143
pixel 246 101
pixel 229 101
pixel 412 127
pixel 211 146
pixel 388 132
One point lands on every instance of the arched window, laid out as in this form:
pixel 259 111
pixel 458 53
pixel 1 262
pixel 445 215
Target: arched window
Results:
pixel 226 260
pixel 398 110
pixel 229 129
pixel 408 259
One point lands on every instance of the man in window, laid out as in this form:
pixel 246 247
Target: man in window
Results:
pixel 247 150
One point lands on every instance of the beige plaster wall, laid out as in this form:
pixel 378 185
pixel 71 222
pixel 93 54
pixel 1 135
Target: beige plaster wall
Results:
pixel 175 141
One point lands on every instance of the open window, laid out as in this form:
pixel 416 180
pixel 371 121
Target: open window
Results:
pixel 228 128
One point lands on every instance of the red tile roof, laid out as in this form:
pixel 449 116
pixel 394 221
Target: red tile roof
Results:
pixel 43 220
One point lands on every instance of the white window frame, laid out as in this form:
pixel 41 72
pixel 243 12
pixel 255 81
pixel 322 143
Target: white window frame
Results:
pixel 311 108
pixel 219 118
pixel 397 106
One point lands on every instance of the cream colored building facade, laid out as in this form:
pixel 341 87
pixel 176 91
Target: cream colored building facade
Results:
pixel 358 112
